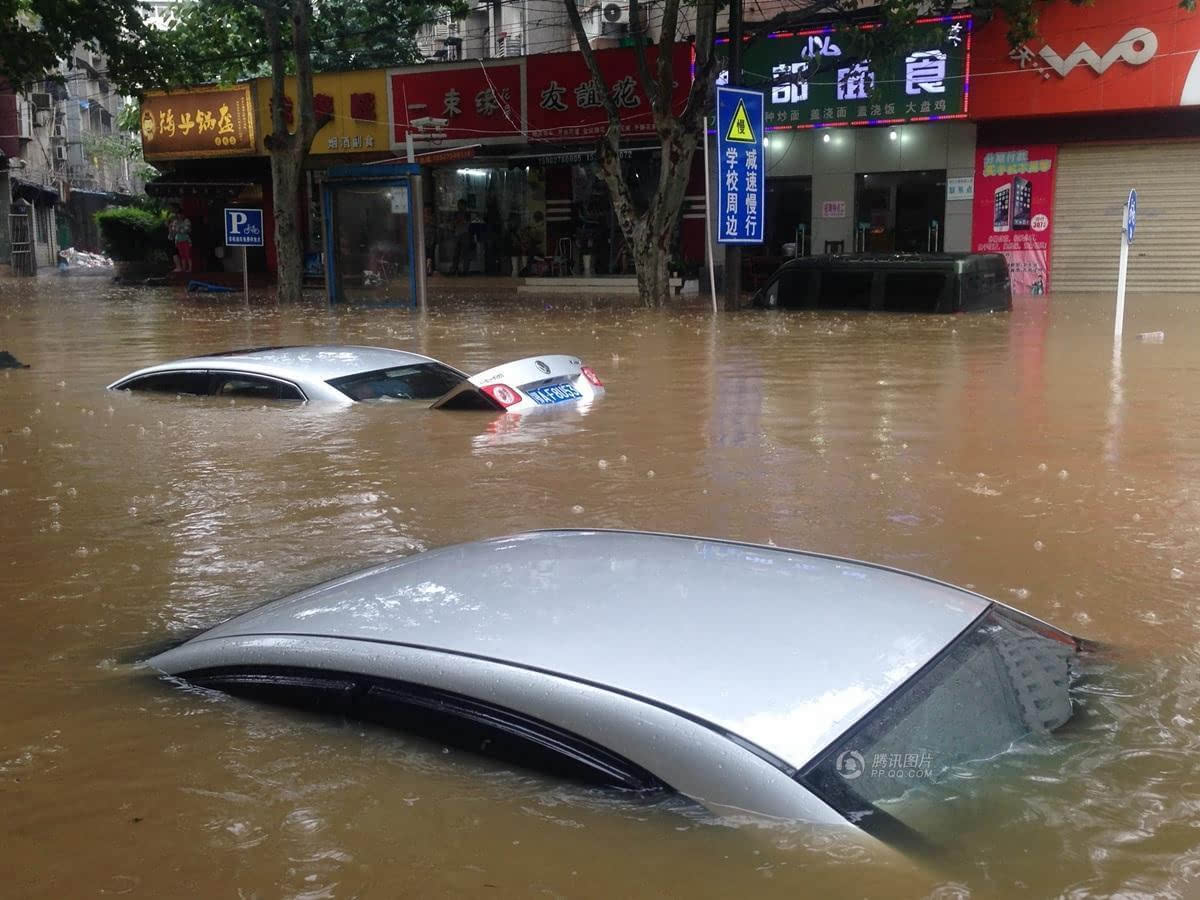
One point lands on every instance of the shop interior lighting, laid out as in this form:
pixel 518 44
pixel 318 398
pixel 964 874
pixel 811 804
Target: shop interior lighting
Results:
pixel 826 138
pixel 893 134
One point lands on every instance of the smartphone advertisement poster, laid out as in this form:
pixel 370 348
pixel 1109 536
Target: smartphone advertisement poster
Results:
pixel 1014 211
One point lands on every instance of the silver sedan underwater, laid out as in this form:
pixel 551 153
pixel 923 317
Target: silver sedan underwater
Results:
pixel 340 375
pixel 754 680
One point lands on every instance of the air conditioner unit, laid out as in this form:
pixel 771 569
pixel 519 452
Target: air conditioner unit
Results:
pixel 60 153
pixel 615 14
pixel 40 100
pixel 59 131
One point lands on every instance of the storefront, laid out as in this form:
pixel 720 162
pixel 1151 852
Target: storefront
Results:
pixel 531 201
pixel 860 155
pixel 209 142
pixel 1105 100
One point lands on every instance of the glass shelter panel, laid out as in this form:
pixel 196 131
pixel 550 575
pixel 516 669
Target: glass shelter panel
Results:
pixel 371 243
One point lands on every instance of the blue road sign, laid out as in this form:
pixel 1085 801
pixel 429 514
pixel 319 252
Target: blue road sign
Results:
pixel 741 166
pixel 243 227
pixel 1131 216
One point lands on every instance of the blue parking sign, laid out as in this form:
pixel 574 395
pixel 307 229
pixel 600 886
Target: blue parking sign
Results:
pixel 741 166
pixel 243 227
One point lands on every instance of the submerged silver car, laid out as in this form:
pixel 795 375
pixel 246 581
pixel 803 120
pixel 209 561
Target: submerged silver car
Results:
pixel 344 374
pixel 752 679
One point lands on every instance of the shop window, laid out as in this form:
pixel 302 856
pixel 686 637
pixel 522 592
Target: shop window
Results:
pixel 43 224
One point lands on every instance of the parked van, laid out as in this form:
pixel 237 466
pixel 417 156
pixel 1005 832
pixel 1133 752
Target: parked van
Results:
pixel 901 282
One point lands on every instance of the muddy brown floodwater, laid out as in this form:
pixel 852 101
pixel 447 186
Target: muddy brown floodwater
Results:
pixel 1003 452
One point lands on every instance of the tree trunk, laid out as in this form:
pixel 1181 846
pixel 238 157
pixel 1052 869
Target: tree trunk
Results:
pixel 648 232
pixel 289 244
pixel 288 150
pixel 653 277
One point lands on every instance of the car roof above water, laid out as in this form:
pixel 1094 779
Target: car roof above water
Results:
pixel 785 649
pixel 319 361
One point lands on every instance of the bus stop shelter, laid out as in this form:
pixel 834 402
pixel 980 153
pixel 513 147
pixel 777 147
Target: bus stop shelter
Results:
pixel 374 251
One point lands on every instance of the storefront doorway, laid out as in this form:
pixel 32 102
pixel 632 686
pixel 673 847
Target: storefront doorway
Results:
pixel 789 216
pixel 900 212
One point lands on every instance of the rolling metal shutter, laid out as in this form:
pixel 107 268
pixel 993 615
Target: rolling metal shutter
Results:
pixel 1089 199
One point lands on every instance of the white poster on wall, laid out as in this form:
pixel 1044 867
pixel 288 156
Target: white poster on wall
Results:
pixel 833 209
pixel 960 188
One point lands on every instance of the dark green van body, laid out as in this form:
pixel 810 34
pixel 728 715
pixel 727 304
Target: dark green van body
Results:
pixel 902 282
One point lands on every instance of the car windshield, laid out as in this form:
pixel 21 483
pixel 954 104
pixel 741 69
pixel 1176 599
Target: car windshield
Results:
pixel 999 682
pixel 419 381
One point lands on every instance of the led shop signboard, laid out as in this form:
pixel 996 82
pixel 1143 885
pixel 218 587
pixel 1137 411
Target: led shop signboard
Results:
pixel 811 82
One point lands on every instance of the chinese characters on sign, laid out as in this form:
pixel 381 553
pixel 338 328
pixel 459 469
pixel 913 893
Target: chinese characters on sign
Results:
pixel 243 228
pixel 960 188
pixel 741 173
pixel 347 142
pixel 1014 200
pixel 345 107
pixel 217 122
pixel 480 103
pixel 812 82
pixel 566 103
pixel 552 96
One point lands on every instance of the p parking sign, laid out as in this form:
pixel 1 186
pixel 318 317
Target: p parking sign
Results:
pixel 741 166
pixel 243 227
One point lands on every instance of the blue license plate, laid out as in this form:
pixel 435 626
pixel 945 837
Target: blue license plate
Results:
pixel 554 393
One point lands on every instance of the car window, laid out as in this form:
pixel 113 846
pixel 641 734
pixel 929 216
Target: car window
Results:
pixel 256 386
pixel 914 291
pixel 845 289
pixel 998 683
pixel 442 716
pixel 179 382
pixel 419 381
pixel 795 287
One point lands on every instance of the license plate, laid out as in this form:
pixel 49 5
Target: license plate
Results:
pixel 554 393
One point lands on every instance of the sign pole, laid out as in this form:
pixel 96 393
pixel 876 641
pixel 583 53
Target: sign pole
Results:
pixel 710 248
pixel 733 253
pixel 1122 270
pixel 417 224
pixel 244 228
pixel 1128 224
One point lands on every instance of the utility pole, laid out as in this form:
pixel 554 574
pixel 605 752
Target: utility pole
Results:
pixel 733 253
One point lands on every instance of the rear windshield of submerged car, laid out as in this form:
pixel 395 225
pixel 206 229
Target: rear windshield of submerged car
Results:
pixel 999 682
pixel 419 381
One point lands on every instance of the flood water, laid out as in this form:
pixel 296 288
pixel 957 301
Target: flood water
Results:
pixel 1004 452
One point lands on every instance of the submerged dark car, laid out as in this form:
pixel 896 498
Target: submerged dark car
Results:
pixel 900 282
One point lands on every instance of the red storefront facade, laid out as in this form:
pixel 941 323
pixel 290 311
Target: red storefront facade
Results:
pixel 531 199
pixel 1105 99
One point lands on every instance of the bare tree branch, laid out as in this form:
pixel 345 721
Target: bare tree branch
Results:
pixel 589 57
pixel 271 18
pixel 307 128
pixel 639 51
